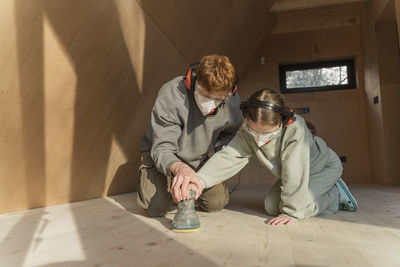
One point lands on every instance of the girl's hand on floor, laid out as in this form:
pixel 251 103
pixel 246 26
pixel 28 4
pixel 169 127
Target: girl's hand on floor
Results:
pixel 282 220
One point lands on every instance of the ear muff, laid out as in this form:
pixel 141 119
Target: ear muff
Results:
pixel 191 76
pixel 287 114
pixel 191 79
pixel 235 85
pixel 289 119
pixel 234 89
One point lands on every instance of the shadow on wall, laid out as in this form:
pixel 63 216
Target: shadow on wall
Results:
pixel 31 81
pixel 106 104
pixel 107 94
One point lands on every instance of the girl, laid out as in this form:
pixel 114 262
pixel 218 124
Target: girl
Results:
pixel 308 170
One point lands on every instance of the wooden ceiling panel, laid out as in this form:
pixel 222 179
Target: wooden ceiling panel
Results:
pixel 318 18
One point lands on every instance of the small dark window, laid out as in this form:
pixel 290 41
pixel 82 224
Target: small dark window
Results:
pixel 317 76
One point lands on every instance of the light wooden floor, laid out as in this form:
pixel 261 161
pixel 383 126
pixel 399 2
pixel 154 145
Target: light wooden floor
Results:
pixel 114 232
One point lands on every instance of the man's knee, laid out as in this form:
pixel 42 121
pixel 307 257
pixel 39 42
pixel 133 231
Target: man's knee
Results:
pixel 156 206
pixel 214 199
pixel 153 194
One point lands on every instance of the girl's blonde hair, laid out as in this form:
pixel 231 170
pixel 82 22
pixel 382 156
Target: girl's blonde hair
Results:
pixel 267 116
pixel 262 115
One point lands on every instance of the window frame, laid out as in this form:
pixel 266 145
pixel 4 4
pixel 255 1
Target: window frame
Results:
pixel 351 75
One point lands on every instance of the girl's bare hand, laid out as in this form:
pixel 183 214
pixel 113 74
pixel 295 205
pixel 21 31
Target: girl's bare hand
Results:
pixel 282 220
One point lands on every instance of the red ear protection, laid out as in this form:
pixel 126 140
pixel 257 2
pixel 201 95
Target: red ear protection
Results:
pixel 235 85
pixel 291 118
pixel 191 76
pixel 187 78
pixel 191 79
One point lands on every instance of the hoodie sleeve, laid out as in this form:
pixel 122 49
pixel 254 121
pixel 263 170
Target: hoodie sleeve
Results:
pixel 226 163
pixel 295 174
pixel 166 129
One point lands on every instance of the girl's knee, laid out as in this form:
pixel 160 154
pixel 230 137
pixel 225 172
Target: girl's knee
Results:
pixel 271 205
pixel 271 208
pixel 273 199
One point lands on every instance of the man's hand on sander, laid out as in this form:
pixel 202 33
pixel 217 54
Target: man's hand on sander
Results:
pixel 185 179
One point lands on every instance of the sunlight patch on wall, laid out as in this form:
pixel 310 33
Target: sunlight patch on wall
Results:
pixel 134 31
pixel 12 165
pixel 60 82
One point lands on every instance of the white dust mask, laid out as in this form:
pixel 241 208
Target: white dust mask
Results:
pixel 205 104
pixel 261 138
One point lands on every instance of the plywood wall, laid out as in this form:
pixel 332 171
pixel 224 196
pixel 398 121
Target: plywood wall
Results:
pixel 234 28
pixel 389 70
pixel 79 78
pixel 381 67
pixel 340 116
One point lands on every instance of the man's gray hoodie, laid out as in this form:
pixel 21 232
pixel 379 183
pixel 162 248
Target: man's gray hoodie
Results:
pixel 178 131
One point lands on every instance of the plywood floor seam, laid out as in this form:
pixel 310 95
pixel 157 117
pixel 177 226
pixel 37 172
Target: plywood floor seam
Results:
pixel 114 232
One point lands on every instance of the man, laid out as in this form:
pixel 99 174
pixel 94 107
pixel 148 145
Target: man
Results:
pixel 192 116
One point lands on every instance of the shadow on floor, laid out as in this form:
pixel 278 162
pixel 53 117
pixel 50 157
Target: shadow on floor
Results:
pixel 112 237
